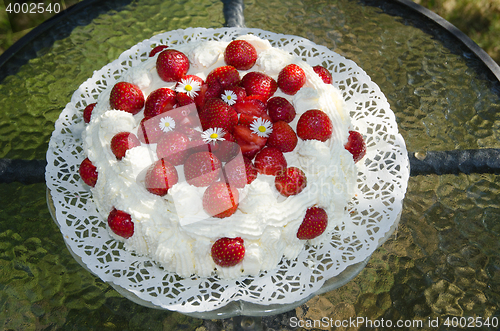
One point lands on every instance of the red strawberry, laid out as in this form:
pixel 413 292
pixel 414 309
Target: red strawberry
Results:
pixel 283 137
pixel 249 142
pixel 173 146
pixel 160 177
pixel 291 181
pixel 188 85
pixel 250 106
pixel 157 50
pixel 314 223
pixel 172 65
pixel 225 77
pixel 240 54
pixel 228 252
pixel 183 99
pixel 159 101
pixel 88 172
pixel 270 161
pixel 127 97
pixel 202 169
pixel 314 124
pixel 122 142
pixel 121 223
pixel 220 200
pixel 235 172
pixel 251 171
pixel 247 120
pixel 206 93
pixel 227 149
pixel 280 109
pixel 238 91
pixel 356 145
pixel 259 83
pixel 149 131
pixel 324 74
pixel 87 112
pixel 218 114
pixel 291 79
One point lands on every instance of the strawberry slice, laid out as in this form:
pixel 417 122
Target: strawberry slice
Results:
pixel 324 74
pixel 172 65
pixel 314 124
pixel 225 77
pixel 250 143
pixel 356 145
pixel 122 142
pixel 127 97
pixel 280 109
pixel 260 84
pixel 240 54
pixel 291 79
pixel 121 223
pixel 247 120
pixel 291 181
pixel 228 252
pixel 218 114
pixel 202 169
pixel 157 50
pixel 270 161
pixel 220 200
pixel 160 177
pixel 88 172
pixel 314 223
pixel 250 106
pixel 159 101
pixel 173 146
pixel 283 137
pixel 87 112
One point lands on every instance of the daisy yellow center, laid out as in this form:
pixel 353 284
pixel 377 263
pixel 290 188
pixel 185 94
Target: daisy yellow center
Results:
pixel 167 124
pixel 214 135
pixel 262 128
pixel 228 97
pixel 188 88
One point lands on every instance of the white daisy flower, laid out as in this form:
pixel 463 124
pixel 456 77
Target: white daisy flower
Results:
pixel 167 124
pixel 213 135
pixel 229 97
pixel 188 86
pixel 262 127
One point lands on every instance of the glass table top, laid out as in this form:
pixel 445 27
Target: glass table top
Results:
pixel 442 263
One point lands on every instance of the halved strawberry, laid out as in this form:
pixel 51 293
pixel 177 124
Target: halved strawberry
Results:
pixel 314 124
pixel 280 109
pixel 314 223
pixel 159 101
pixel 87 112
pixel 259 83
pixel 283 137
pixel 270 161
pixel 356 145
pixel 157 50
pixel 323 73
pixel 240 54
pixel 291 181
pixel 202 169
pixel 250 143
pixel 228 252
pixel 250 106
pixel 220 200
pixel 225 77
pixel 88 172
pixel 247 120
pixel 127 97
pixel 173 146
pixel 160 177
pixel 218 114
pixel 172 65
pixel 121 223
pixel 122 142
pixel 291 79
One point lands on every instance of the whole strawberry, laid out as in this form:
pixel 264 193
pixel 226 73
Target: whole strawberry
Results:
pixel 172 65
pixel 122 142
pixel 280 109
pixel 356 145
pixel 218 114
pixel 314 223
pixel 173 146
pixel 121 223
pixel 228 252
pixel 127 97
pixel 323 73
pixel 258 83
pixel 270 161
pixel 223 77
pixel 220 200
pixel 291 79
pixel 314 124
pixel 159 101
pixel 202 169
pixel 87 112
pixel 160 177
pixel 240 54
pixel 88 172
pixel 292 181
pixel 157 50
pixel 283 137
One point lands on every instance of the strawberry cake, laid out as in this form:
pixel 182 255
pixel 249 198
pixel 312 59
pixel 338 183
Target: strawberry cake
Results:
pixel 217 158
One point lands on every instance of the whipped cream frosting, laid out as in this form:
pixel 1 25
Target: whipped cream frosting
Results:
pixel 174 230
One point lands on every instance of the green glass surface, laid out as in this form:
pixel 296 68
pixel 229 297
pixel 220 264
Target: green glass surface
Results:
pixel 443 260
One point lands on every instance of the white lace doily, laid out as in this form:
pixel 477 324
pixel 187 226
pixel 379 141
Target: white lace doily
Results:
pixel 382 182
